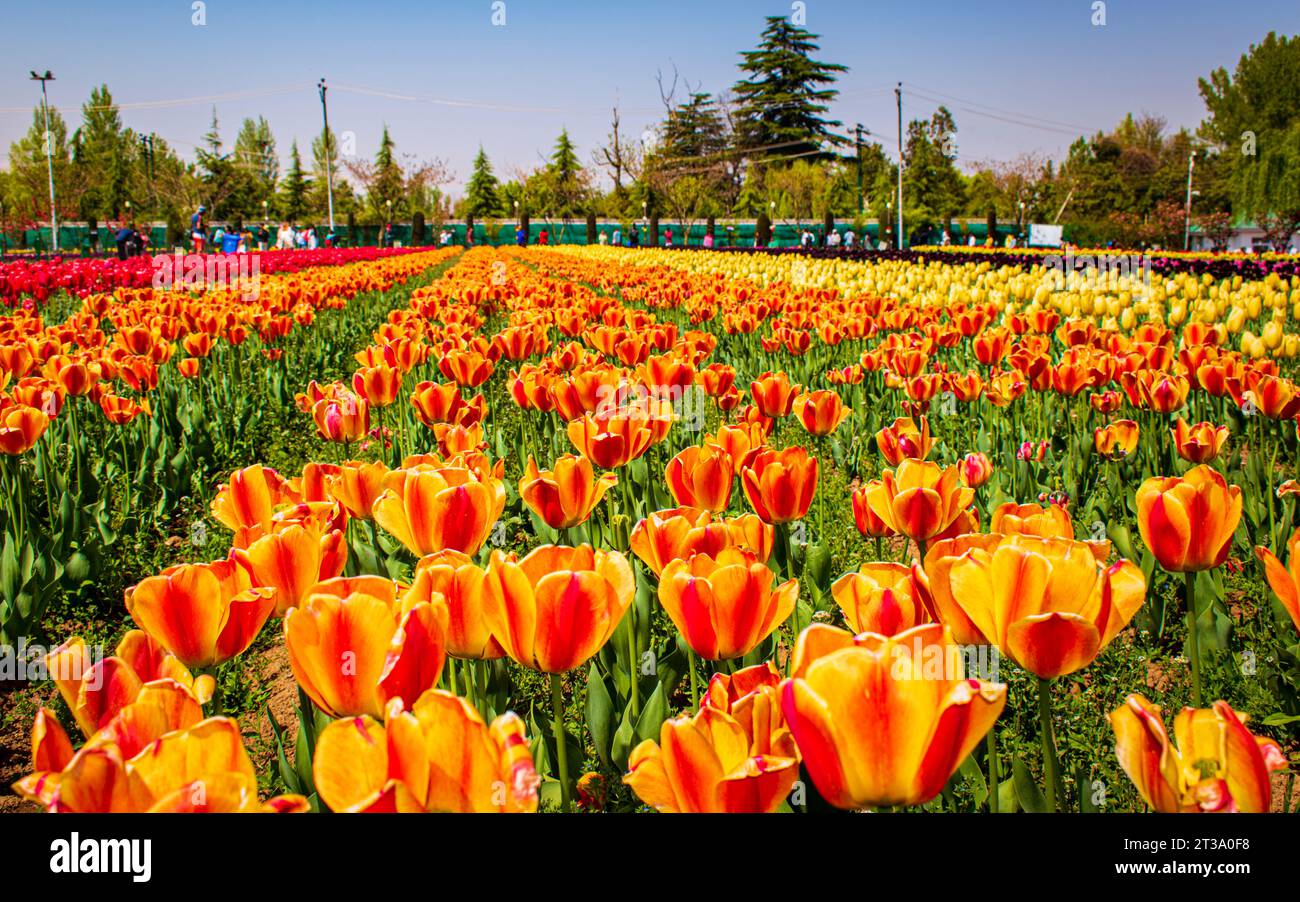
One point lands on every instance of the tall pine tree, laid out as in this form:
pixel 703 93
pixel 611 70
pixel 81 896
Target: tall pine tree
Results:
pixel 482 197
pixel 782 103
pixel 566 179
pixel 295 188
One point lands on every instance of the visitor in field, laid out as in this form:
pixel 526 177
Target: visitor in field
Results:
pixel 520 238
pixel 124 237
pixel 668 237
pixel 708 239
pixel 849 238
pixel 263 237
pixel 284 237
pixel 544 237
pixel 198 229
pixel 833 239
pixel 618 237
pixel 603 239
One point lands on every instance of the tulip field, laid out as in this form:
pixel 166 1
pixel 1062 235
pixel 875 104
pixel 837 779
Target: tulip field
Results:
pixel 601 529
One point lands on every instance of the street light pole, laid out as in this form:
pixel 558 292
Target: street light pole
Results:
pixel 1187 214
pixel 329 151
pixel 49 155
pixel 898 95
pixel 857 140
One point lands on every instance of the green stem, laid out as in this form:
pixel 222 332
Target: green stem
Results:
pixel 561 751
pixel 695 680
pixel 1050 765
pixel 632 660
pixel 992 742
pixel 1193 636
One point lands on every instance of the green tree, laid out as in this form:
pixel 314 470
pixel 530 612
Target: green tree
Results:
pixel 29 176
pixel 1254 127
pixel 295 189
pixel 565 181
pixel 482 195
pixel 255 152
pixel 783 100
pixel 933 189
pixel 104 153
pixel 232 191
pixel 1268 187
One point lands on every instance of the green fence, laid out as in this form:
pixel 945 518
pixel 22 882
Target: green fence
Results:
pixel 76 239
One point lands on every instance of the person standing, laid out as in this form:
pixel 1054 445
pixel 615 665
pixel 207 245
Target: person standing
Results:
pixel 520 238
pixel 617 239
pixel 198 229
pixel 124 237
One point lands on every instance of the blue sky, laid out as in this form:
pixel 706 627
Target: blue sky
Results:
pixel 445 79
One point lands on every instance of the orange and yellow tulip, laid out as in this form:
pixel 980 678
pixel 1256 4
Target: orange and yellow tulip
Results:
pixel 357 485
pixel 20 428
pixel 820 412
pixel 565 495
pixel 1187 521
pixel 920 499
pixel 880 598
pixel 1215 765
pixel 353 647
pixel 680 532
pixel 430 508
pixel 1117 440
pixel 725 605
pixel 702 477
pixel 251 498
pixel 780 485
pixel 876 721
pixel 1285 581
pixel 773 394
pixel 455 579
pixel 558 606
pixel 734 755
pixel 1199 444
pixel 611 438
pixel 904 440
pixel 292 558
pixel 1047 604
pixel 438 756
pixel 203 614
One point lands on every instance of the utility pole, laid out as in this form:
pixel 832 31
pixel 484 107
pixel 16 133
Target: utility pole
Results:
pixel 329 153
pixel 898 95
pixel 1187 215
pixel 49 155
pixel 857 140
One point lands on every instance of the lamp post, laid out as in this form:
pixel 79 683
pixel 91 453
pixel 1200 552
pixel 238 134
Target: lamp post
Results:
pixel 898 95
pixel 49 155
pixel 329 151
pixel 388 222
pixel 1187 213
pixel 1022 223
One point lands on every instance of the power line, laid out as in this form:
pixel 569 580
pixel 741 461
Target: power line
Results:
pixel 1073 131
pixel 177 102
